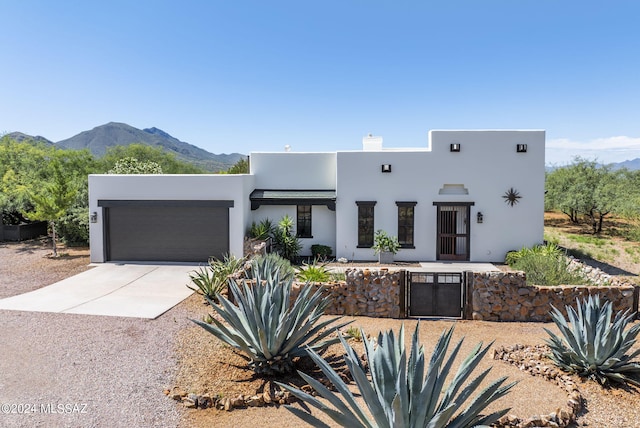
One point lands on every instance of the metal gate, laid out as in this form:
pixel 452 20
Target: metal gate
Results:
pixel 435 294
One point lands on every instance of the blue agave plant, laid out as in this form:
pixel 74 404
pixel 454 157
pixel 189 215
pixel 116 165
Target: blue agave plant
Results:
pixel 399 394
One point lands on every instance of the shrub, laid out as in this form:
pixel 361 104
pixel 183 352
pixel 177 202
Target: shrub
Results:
pixel 73 228
pixel 272 338
pixel 592 345
pixel 211 280
pixel 313 273
pixel 270 264
pixel 382 242
pixel 321 252
pixel 544 265
pixel 399 394
pixel 549 250
pixel 546 270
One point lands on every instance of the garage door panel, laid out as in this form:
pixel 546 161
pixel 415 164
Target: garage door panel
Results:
pixel 143 233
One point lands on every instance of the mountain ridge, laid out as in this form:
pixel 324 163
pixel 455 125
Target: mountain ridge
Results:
pixel 99 139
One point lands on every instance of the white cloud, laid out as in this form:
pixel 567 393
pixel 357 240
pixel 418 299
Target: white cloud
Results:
pixel 561 151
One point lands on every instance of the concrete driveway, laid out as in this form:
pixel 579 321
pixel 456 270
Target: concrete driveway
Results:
pixel 125 290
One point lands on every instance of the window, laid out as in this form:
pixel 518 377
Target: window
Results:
pixel 405 223
pixel 304 221
pixel 365 224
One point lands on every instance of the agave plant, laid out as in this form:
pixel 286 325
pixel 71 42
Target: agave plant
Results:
pixel 595 344
pixel 399 394
pixel 270 329
pixel 210 280
pixel 268 265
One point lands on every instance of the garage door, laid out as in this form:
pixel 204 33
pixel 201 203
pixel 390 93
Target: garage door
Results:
pixel 177 231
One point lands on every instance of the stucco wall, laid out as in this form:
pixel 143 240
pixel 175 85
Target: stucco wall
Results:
pixel 172 187
pixel 294 170
pixel 323 224
pixel 487 166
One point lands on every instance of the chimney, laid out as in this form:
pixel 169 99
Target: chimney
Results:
pixel 371 143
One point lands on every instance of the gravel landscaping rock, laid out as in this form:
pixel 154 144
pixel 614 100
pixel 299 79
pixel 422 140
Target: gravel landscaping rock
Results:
pixel 63 370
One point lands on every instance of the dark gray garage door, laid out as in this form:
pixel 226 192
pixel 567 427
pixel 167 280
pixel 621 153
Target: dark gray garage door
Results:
pixel 178 231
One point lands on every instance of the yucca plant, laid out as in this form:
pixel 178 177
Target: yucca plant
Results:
pixel 270 329
pixel 399 394
pixel 262 230
pixel 594 343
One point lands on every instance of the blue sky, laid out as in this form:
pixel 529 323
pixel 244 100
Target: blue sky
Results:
pixel 241 76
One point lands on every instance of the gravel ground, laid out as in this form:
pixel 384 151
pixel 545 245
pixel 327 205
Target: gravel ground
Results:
pixel 111 371
pixel 93 371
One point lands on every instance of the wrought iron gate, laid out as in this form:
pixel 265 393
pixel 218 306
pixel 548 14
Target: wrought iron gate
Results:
pixel 435 294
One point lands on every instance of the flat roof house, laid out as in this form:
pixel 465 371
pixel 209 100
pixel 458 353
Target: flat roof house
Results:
pixel 469 195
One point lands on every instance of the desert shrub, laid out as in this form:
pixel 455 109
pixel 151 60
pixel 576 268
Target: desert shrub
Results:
pixel 594 344
pixel 544 265
pixel 321 252
pixel 547 270
pixel 272 338
pixel 399 394
pixel 73 228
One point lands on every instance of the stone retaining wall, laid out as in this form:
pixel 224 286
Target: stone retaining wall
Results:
pixel 371 293
pixel 505 296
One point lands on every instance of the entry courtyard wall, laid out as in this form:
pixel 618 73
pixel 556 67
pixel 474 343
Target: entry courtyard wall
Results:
pixel 491 296
pixel 505 296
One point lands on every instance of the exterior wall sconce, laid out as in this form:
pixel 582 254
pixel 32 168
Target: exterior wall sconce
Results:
pixel 479 217
pixel 454 147
pixel 93 217
pixel 386 167
pixel 521 148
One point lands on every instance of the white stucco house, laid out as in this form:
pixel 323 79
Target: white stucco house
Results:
pixel 469 195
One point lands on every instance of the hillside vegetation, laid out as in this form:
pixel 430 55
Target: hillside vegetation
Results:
pixel 39 181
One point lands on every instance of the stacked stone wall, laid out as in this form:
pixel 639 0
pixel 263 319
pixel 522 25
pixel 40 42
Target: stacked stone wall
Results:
pixel 365 292
pixel 505 296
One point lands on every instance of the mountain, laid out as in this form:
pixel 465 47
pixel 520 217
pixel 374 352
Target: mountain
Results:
pixel 631 165
pixel 100 138
pixel 19 137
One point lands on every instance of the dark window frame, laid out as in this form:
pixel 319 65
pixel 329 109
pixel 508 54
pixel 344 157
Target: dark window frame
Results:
pixel 366 223
pixel 304 221
pixel 406 224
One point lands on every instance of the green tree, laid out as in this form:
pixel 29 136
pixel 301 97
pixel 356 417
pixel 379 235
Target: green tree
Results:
pixel 54 199
pixel 23 165
pixel 587 189
pixel 131 165
pixel 240 167
pixel 145 153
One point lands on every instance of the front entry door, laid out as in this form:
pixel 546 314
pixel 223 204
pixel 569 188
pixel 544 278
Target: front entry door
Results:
pixel 453 230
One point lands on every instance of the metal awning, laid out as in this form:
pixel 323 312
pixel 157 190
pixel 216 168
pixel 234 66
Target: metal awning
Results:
pixel 293 197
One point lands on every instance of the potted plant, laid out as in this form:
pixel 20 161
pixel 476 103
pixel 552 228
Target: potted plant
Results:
pixel 385 246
